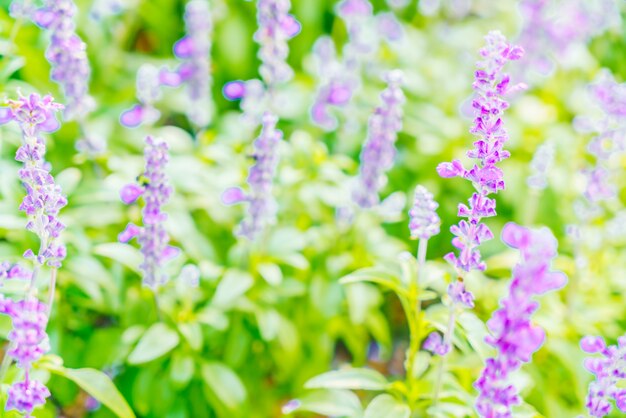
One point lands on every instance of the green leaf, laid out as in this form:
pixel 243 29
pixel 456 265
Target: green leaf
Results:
pixel 122 253
pixel 365 379
pixel 98 385
pixel 224 383
pixel 233 285
pixel 158 340
pixel 181 369
pixel 387 406
pixel 271 273
pixel 336 403
pixel 376 275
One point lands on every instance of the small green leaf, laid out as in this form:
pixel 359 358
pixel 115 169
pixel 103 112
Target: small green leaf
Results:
pixel 224 383
pixel 98 385
pixel 233 285
pixel 336 403
pixel 376 275
pixel 122 253
pixel 387 406
pixel 181 369
pixel 365 379
pixel 157 341
pixel 271 273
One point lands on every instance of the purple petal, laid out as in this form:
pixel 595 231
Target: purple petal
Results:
pixel 234 90
pixel 184 47
pixel 129 233
pixel 130 193
pixel 6 115
pixel 233 195
pixel 132 117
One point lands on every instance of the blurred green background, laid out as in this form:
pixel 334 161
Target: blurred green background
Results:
pixel 269 316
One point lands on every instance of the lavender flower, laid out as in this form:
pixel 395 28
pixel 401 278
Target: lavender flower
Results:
pixel 379 151
pixel 608 370
pixel 262 205
pixel 436 345
pixel 276 27
pixel 540 165
pixel 68 56
pixel 43 201
pixel 490 86
pixel 149 80
pixel 152 237
pixel 195 52
pixel 424 221
pixel 28 339
pixel 513 334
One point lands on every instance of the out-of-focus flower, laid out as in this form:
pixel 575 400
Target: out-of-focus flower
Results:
pixel 68 55
pixel 513 334
pixel 152 236
pixel 148 92
pixel 540 165
pixel 379 150
pixel 490 86
pixel 608 369
pixel 261 202
pixel 195 52
pixel 424 221
pixel 435 344
pixel 275 27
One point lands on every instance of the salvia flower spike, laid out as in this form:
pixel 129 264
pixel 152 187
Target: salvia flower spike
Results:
pixel 68 55
pixel 608 370
pixel 490 86
pixel 262 205
pixel 513 334
pixel 424 221
pixel 152 235
pixel 28 339
pixel 275 27
pixel 195 52
pixel 379 149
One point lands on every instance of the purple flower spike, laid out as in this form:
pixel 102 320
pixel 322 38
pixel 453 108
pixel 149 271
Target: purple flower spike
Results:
pixel 513 334
pixel 152 236
pixel 379 149
pixel 490 85
pixel 424 221
pixel 67 54
pixel 276 27
pixel 262 205
pixel 194 50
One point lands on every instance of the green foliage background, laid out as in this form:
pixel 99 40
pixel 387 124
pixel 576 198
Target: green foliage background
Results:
pixel 269 316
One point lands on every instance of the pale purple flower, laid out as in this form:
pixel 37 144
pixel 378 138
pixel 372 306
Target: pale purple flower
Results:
pixel 234 90
pixel 512 332
pixel 9 271
pixel 44 199
pixel 552 28
pixel 68 55
pixel 262 205
pixel 152 236
pixel 195 52
pixel 608 370
pixel 148 91
pixel 540 165
pixel 424 221
pixel 435 344
pixel 275 27
pixel 490 85
pixel 379 149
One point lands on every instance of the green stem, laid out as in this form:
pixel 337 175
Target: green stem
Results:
pixel 447 341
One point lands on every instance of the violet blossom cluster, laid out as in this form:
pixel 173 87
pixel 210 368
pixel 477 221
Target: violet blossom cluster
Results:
pixel 490 86
pixel 194 49
pixel 262 205
pixel 379 149
pixel 513 334
pixel 275 28
pixel 339 79
pixel 423 219
pixel 551 29
pixel 152 236
pixel 608 370
pixel 28 339
pixel 148 91
pixel 68 55
pixel 540 165
pixel 610 136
